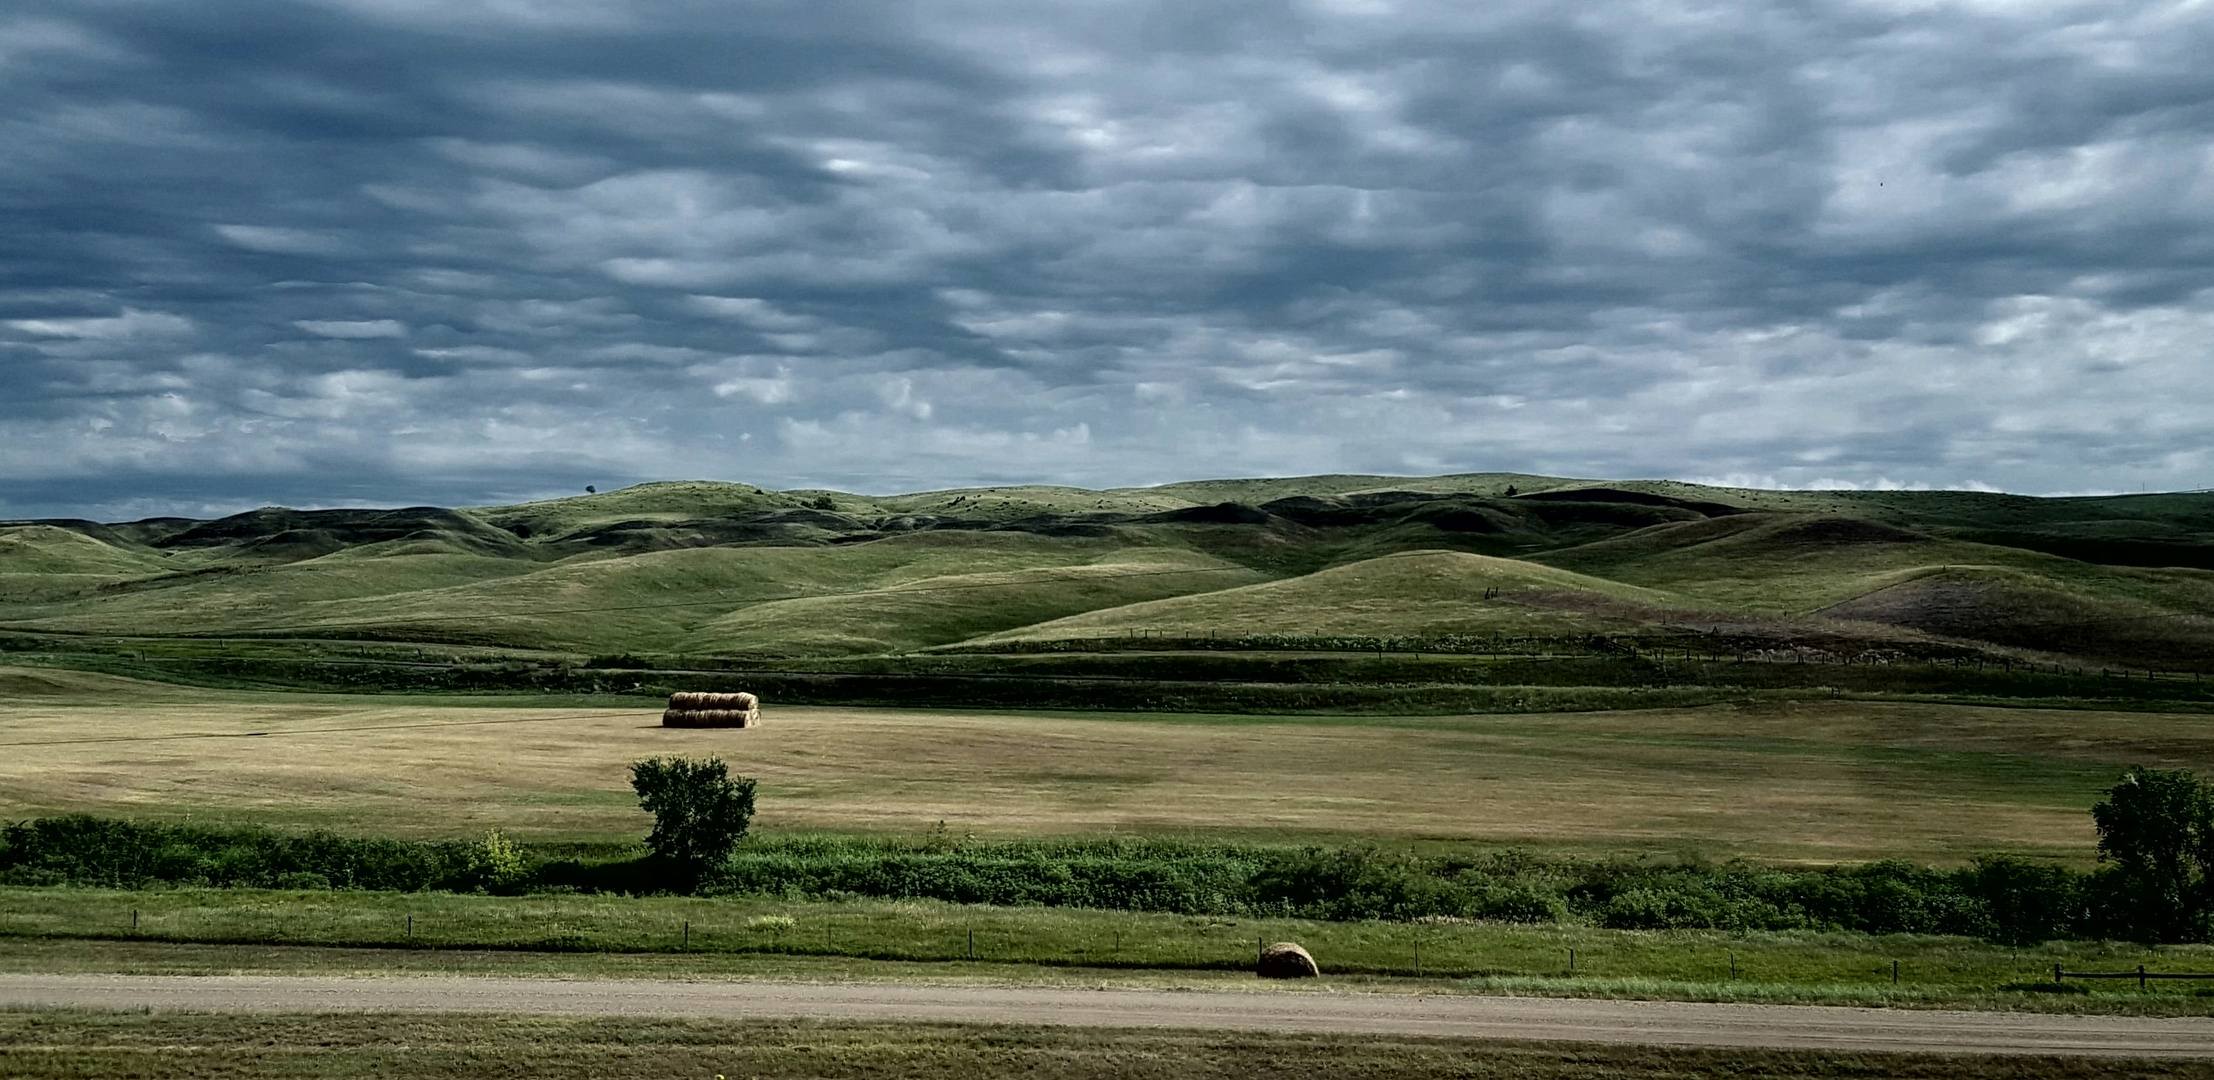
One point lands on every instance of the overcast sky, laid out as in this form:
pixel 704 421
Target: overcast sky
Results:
pixel 457 251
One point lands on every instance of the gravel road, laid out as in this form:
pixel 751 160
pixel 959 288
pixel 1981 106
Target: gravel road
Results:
pixel 1658 1023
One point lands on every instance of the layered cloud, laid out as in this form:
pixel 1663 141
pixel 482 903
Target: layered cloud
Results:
pixel 390 251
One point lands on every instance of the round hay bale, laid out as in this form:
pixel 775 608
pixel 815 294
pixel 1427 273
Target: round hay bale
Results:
pixel 1285 960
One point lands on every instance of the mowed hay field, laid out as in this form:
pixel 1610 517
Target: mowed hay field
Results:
pixel 1817 781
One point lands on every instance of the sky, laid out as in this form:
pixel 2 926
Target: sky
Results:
pixel 391 252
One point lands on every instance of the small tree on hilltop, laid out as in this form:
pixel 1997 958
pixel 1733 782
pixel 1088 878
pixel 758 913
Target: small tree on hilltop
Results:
pixel 699 811
pixel 2156 827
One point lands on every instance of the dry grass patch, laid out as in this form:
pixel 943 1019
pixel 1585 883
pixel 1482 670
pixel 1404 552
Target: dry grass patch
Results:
pixel 1841 781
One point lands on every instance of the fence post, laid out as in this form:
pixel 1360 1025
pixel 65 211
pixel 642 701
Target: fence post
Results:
pixel 134 919
pixel 972 943
pixel 411 926
pixel 2056 972
pixel 1733 966
pixel 1894 973
pixel 1572 961
pixel 687 935
pixel 2140 976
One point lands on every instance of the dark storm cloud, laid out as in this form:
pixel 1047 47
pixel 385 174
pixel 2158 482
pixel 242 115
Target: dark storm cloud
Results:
pixel 393 251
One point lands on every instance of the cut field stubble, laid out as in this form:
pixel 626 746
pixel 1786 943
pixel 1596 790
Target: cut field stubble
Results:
pixel 1817 781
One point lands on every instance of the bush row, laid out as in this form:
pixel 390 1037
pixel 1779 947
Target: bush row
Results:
pixel 84 850
pixel 2000 898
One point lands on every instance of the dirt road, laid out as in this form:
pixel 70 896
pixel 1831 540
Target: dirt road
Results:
pixel 1657 1023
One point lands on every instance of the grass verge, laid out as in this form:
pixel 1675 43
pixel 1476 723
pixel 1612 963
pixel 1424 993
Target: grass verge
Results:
pixel 98 1044
pixel 42 929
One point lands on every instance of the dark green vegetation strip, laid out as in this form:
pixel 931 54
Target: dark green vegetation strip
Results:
pixel 97 1045
pixel 2000 898
pixel 1400 682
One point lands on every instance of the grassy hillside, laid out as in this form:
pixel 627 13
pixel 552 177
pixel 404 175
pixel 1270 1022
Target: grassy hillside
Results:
pixel 710 569
pixel 1782 563
pixel 49 549
pixel 1425 593
pixel 955 607
pixel 654 600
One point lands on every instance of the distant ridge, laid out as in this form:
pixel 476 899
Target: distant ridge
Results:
pixel 715 568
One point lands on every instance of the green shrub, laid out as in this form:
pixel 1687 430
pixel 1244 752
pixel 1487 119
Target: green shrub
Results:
pixel 1518 903
pixel 495 864
pixel 699 812
pixel 2025 902
pixel 1005 878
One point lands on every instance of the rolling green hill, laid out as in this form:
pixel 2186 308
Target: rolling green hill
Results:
pixel 706 569
pixel 1422 593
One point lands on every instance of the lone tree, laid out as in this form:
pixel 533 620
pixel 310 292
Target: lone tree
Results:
pixel 2156 827
pixel 699 811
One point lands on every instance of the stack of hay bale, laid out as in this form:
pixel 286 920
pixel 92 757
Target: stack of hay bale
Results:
pixel 712 710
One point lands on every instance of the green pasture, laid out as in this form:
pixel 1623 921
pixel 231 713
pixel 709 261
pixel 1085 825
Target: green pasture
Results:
pixel 591 934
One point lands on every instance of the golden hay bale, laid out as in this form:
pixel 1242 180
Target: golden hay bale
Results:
pixel 705 718
pixel 690 699
pixel 691 709
pixel 1285 960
